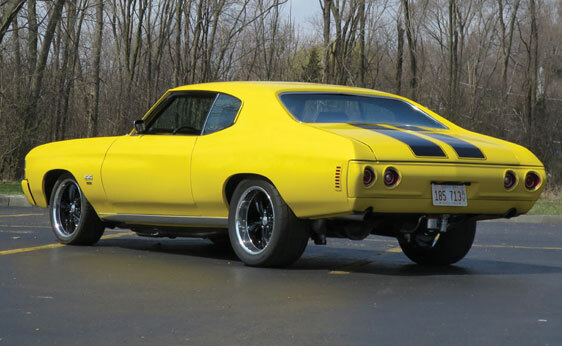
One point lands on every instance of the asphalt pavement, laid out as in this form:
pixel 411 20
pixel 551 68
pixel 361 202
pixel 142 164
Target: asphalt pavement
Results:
pixel 129 290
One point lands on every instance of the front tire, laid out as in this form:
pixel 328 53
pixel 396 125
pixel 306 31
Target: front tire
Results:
pixel 449 248
pixel 73 219
pixel 263 230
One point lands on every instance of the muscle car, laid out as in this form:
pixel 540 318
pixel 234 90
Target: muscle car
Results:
pixel 267 166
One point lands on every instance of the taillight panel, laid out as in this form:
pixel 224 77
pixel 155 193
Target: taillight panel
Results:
pixel 532 181
pixel 391 177
pixel 509 180
pixel 368 176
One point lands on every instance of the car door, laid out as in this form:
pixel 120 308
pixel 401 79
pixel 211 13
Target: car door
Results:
pixel 149 173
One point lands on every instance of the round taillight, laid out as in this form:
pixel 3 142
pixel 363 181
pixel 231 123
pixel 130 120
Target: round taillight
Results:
pixel 391 177
pixel 509 180
pixel 368 176
pixel 532 181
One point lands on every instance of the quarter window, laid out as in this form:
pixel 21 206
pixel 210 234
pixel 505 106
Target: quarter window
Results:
pixel 222 114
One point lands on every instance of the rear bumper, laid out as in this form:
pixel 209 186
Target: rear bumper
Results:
pixel 27 192
pixel 485 189
pixel 425 206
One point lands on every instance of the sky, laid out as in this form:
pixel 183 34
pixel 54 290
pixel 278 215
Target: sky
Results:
pixel 303 11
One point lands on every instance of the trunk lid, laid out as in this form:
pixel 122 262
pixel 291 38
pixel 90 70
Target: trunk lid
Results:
pixel 413 143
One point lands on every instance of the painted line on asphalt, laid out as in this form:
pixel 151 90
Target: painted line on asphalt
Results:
pixel 381 240
pixel 16 232
pixel 397 249
pixel 554 248
pixel 48 227
pixel 519 247
pixel 21 215
pixel 117 235
pixel 56 245
pixel 24 226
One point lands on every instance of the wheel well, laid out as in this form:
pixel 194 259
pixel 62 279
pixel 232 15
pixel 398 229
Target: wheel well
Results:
pixel 50 180
pixel 234 180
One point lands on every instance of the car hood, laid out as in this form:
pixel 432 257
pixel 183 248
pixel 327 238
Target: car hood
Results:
pixel 413 143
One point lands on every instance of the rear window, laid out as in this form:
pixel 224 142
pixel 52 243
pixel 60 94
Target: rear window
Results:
pixel 345 108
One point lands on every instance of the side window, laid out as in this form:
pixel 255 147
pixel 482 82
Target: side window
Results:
pixel 222 114
pixel 184 114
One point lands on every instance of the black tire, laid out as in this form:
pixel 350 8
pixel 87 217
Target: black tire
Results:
pixel 266 236
pixel 450 248
pixel 73 219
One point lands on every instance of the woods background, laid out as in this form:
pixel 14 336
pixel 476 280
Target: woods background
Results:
pixel 72 69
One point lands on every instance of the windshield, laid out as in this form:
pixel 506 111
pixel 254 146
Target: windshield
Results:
pixel 346 108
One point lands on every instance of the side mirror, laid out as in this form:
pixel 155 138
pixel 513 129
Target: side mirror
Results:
pixel 139 126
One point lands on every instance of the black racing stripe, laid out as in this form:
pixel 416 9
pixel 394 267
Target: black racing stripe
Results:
pixel 410 127
pixel 372 126
pixel 463 148
pixel 420 146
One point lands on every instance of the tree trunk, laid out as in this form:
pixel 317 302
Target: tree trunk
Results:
pixel 94 116
pixel 8 14
pixel 326 10
pixel 452 46
pixel 362 56
pixel 30 118
pixel 532 73
pixel 33 30
pixel 506 36
pixel 411 49
pixel 399 54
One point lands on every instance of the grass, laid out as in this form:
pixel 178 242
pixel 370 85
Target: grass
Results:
pixel 546 207
pixel 549 204
pixel 10 188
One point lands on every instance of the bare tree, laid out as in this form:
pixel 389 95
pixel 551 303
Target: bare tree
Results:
pixel 94 113
pixel 506 39
pixel 9 12
pixel 399 51
pixel 411 48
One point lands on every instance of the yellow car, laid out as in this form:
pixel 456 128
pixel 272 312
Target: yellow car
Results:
pixel 267 166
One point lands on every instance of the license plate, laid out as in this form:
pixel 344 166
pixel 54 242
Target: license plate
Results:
pixel 449 195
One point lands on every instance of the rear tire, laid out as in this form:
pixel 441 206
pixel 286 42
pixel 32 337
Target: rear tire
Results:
pixel 73 219
pixel 263 230
pixel 450 248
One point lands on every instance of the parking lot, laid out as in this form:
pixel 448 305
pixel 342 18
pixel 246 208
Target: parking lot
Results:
pixel 129 290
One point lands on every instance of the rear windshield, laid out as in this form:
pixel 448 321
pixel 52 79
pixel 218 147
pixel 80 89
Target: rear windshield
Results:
pixel 345 108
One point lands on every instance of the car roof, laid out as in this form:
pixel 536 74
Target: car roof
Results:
pixel 277 87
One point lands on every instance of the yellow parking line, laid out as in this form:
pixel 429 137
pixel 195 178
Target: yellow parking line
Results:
pixel 28 249
pixel 394 250
pixel 519 247
pixel 381 240
pixel 338 272
pixel 117 235
pixel 52 246
pixel 22 215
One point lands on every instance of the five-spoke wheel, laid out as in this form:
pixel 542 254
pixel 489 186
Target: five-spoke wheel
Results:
pixel 255 219
pixel 66 208
pixel 73 219
pixel 262 228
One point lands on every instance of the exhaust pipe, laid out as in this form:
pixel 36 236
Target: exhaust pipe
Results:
pixel 438 223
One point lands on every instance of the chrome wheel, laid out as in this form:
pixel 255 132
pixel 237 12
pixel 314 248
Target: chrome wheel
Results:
pixel 67 208
pixel 254 220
